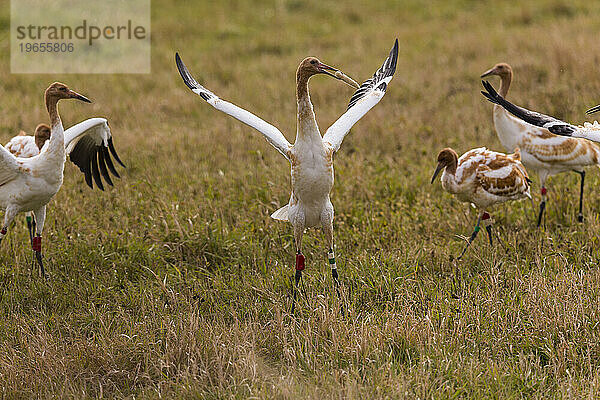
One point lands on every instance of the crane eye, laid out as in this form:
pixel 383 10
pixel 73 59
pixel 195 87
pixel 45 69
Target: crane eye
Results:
pixel 313 62
pixel 63 89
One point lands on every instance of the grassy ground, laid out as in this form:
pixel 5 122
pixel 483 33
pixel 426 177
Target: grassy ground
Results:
pixel 176 283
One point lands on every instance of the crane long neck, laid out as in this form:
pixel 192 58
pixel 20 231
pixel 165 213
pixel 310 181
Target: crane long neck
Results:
pixel 505 80
pixel 39 142
pixel 52 107
pixel 307 129
pixel 57 139
pixel 451 168
pixel 302 87
pixel 449 178
pixel 452 163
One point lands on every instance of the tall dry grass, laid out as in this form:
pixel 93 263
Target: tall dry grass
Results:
pixel 176 283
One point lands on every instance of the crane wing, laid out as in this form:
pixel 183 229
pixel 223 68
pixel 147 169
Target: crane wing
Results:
pixel 271 133
pixel 89 145
pixel 9 166
pixel 370 93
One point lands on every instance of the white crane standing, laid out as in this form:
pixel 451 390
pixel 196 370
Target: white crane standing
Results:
pixel 26 146
pixel 311 156
pixel 28 184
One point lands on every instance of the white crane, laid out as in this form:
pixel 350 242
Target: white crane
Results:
pixel 542 151
pixel 26 146
pixel 28 184
pixel 484 178
pixel 589 131
pixel 311 156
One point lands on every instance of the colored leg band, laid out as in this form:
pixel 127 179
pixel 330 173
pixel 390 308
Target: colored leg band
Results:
pixel 2 233
pixel 331 258
pixel 300 262
pixel 477 228
pixel 486 219
pixel 36 244
pixel 544 191
pixel 28 219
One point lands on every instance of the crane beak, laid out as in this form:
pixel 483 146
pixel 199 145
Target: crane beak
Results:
pixel 346 79
pixel 324 69
pixel 75 95
pixel 437 171
pixel 337 74
pixel 489 72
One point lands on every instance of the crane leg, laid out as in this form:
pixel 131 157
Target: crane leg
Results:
pixel 30 225
pixel 36 244
pixel 9 216
pixel 475 232
pixel 542 206
pixel 300 265
pixel 300 262
pixel 580 215
pixel 327 225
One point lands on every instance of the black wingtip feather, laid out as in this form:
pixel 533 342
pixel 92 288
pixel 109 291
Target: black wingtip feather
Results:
pixel 109 162
pixel 111 147
pixel 488 97
pixel 88 174
pixel 488 86
pixel 387 69
pixel 95 161
pixel 95 172
pixel 394 57
pixel 102 165
pixel 593 110
pixel 490 93
pixel 553 125
pixel 188 79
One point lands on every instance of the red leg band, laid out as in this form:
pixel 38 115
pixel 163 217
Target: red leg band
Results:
pixel 544 191
pixel 36 245
pixel 485 216
pixel 299 262
pixel 3 231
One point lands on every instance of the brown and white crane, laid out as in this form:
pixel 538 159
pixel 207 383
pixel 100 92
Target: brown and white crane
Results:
pixel 484 178
pixel 542 151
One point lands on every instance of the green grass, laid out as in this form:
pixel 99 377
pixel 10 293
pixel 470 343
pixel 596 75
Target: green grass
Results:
pixel 176 283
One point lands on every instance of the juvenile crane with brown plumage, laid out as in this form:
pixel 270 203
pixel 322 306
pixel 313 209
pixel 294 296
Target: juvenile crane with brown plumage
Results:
pixel 484 178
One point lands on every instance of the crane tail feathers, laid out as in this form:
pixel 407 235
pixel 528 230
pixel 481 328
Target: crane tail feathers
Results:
pixel 281 214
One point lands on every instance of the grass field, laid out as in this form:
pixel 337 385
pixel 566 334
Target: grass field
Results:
pixel 176 283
